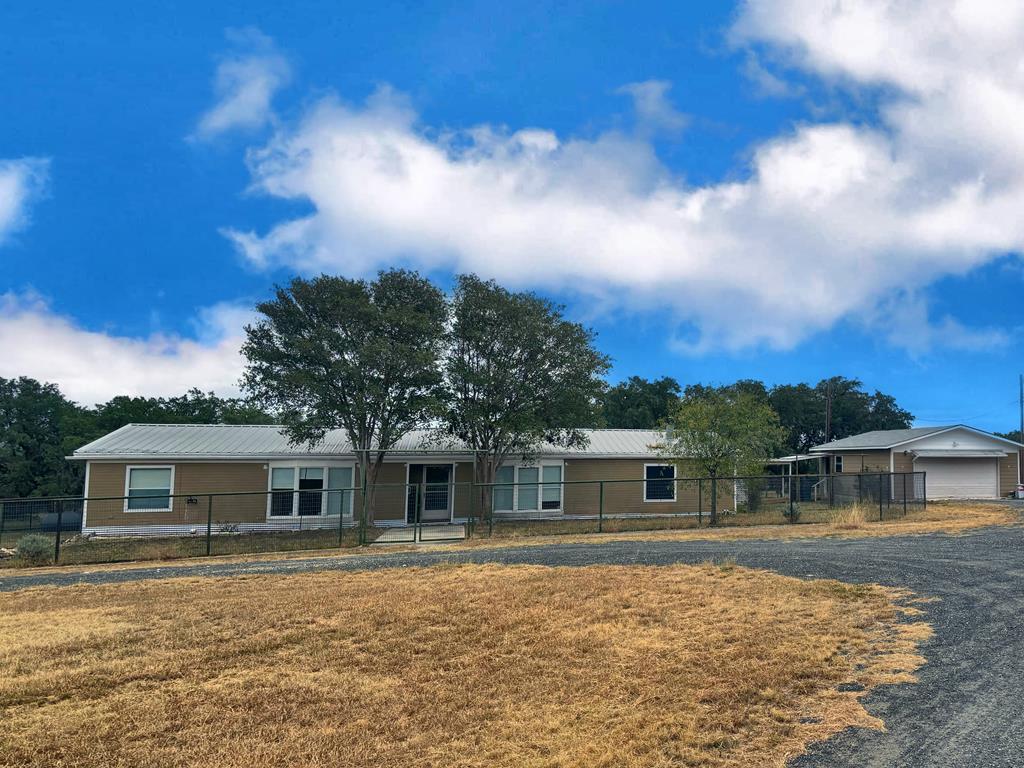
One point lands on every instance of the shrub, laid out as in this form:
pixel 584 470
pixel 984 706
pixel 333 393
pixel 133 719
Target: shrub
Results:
pixel 35 548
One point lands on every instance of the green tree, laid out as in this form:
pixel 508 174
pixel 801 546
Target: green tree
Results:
pixel 35 422
pixel 361 356
pixel 518 374
pixel 638 403
pixel 194 407
pixel 726 431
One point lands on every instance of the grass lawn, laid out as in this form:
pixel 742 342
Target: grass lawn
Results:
pixel 450 666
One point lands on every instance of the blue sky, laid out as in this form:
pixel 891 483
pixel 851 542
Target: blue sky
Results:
pixel 721 191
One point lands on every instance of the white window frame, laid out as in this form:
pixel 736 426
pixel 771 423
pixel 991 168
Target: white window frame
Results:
pixel 325 467
pixel 128 485
pixel 539 465
pixel 837 465
pixel 675 482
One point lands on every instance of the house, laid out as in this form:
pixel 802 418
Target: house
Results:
pixel 160 478
pixel 959 462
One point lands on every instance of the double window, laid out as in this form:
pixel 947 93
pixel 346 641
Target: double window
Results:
pixel 305 491
pixel 659 482
pixel 528 488
pixel 148 489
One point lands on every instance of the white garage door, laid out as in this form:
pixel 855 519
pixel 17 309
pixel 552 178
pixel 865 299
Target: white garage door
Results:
pixel 949 478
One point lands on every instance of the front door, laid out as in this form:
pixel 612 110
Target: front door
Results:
pixel 436 495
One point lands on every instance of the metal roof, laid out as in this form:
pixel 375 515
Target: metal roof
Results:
pixel 213 441
pixel 888 438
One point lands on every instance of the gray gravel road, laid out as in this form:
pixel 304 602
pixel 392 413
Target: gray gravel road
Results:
pixel 967 710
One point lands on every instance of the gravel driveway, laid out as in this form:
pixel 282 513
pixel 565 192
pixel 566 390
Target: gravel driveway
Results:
pixel 967 710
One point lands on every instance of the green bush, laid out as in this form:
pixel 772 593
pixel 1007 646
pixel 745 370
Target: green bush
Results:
pixel 35 548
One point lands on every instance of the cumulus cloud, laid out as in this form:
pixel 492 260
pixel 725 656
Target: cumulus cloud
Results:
pixel 654 111
pixel 247 80
pixel 830 222
pixel 21 181
pixel 92 366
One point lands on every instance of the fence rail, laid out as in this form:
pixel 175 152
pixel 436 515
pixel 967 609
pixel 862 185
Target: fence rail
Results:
pixel 157 524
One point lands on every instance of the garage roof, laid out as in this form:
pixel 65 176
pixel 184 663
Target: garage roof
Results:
pixel 889 438
pixel 213 441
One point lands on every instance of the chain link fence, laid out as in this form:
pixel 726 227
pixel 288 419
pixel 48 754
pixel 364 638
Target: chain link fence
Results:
pixel 156 525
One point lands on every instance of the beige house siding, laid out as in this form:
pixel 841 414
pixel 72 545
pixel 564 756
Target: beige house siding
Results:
pixel 902 462
pixel 193 478
pixel 583 498
pixel 1008 474
pixel 864 461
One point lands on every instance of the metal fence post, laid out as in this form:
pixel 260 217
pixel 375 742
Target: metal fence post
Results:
pixel 56 544
pixel 792 492
pixel 2 508
pixel 420 506
pixel 924 490
pixel 904 494
pixel 879 497
pixel 209 524
pixel 700 502
pixel 600 506
pixel 363 499
pixel 341 520
pixel 860 489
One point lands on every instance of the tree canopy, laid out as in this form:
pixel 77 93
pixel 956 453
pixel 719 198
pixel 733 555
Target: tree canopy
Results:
pixel 638 403
pixel 39 427
pixel 517 374
pixel 362 356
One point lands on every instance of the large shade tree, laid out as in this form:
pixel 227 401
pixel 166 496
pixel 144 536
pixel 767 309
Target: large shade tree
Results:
pixel 725 431
pixel 518 374
pixel 361 356
pixel 638 403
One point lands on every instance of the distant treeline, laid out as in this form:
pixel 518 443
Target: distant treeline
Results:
pixel 39 426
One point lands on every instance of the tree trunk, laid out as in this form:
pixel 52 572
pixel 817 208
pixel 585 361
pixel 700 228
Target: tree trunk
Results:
pixel 484 471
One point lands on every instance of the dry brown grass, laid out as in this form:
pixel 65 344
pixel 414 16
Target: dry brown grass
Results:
pixel 452 666
pixel 849 518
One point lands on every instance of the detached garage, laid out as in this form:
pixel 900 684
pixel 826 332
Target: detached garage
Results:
pixel 960 462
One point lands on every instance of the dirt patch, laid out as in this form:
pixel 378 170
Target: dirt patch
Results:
pixel 456 666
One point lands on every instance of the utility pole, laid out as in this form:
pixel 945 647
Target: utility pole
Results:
pixel 828 410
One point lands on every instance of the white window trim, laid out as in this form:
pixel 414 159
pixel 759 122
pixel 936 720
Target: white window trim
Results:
pixel 298 464
pixel 675 482
pixel 128 484
pixel 516 466
pixel 837 465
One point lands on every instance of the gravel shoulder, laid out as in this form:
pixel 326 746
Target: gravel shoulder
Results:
pixel 965 711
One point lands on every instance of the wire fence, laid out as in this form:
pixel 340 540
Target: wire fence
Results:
pixel 158 525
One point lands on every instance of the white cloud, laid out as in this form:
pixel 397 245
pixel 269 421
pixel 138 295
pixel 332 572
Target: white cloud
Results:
pixel 247 80
pixel 91 366
pixel 21 181
pixel 832 221
pixel 654 112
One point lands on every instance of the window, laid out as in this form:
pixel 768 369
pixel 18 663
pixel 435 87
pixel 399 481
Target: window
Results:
pixel 659 482
pixel 504 495
pixel 528 488
pixel 282 479
pixel 311 486
pixel 839 463
pixel 310 491
pixel 552 493
pixel 149 489
pixel 339 501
